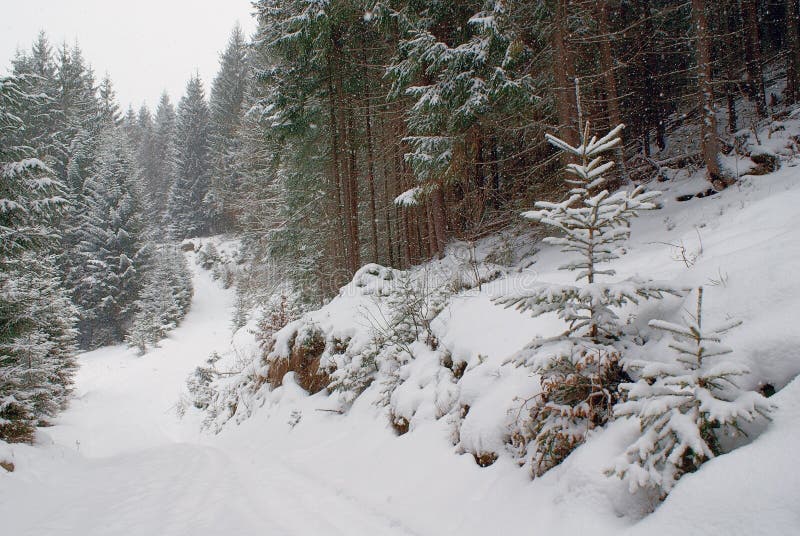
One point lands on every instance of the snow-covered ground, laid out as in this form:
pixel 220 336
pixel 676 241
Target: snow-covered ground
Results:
pixel 120 462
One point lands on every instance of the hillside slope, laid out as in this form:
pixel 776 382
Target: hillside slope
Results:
pixel 120 461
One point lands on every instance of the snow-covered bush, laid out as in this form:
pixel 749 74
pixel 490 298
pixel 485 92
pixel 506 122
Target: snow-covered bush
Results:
pixel 685 406
pixel 199 383
pixel 580 370
pixel 220 260
pixel 579 387
pixel 219 390
pixel 402 315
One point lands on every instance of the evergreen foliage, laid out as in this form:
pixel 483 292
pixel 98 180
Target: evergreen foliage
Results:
pixel 164 159
pixel 187 213
pixel 580 370
pixel 37 319
pixel 686 405
pixel 226 109
pixel 112 248
pixel 164 299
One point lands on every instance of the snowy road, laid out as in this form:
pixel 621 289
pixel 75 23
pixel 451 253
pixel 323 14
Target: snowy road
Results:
pixel 122 463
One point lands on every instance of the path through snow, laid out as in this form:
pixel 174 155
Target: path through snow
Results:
pixel 122 463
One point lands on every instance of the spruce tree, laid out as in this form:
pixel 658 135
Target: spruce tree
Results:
pixel 227 99
pixel 36 75
pixel 580 370
pixel 164 300
pixel 36 317
pixel 164 158
pixel 152 168
pixel 112 245
pixel 187 213
pixel 685 406
pixel 108 109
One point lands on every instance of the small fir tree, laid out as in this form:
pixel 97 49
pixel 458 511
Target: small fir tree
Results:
pixel 685 406
pixel 580 370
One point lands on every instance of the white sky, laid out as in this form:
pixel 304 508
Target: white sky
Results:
pixel 146 46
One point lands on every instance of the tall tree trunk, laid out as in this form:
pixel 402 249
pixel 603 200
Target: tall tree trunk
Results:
pixel 433 246
pixel 709 140
pixel 610 81
pixel 495 174
pixel 793 52
pixel 480 178
pixel 335 169
pixel 752 54
pixel 607 64
pixel 731 46
pixel 653 98
pixel 564 75
pixel 388 177
pixel 352 197
pixel 373 216
pixel 439 220
pixel 401 186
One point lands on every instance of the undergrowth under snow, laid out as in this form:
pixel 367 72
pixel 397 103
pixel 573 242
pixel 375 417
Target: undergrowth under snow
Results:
pixel 450 380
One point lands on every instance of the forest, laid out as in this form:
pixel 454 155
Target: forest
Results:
pixel 347 155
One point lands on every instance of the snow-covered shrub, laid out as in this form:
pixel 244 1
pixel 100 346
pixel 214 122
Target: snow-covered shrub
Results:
pixel 580 385
pixel 223 392
pixel 274 317
pixel 580 370
pixel 219 390
pixel 199 383
pixel 219 260
pixel 414 301
pixel 685 406
pixel 401 316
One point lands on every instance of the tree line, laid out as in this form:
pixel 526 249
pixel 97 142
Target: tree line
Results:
pixel 86 257
pixel 343 132
pixel 379 131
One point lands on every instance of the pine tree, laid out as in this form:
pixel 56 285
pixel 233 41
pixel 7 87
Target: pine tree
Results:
pixel 580 370
pixel 36 317
pixel 455 75
pixel 685 405
pixel 164 300
pixel 227 99
pixel 151 166
pixel 164 158
pixel 37 345
pixel 112 247
pixel 187 214
pixel 77 108
pixel 36 75
pixel 109 114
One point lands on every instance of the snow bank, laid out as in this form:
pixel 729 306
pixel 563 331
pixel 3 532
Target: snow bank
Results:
pixel 454 388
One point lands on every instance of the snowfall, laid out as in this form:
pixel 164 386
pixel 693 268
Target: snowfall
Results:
pixel 120 461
